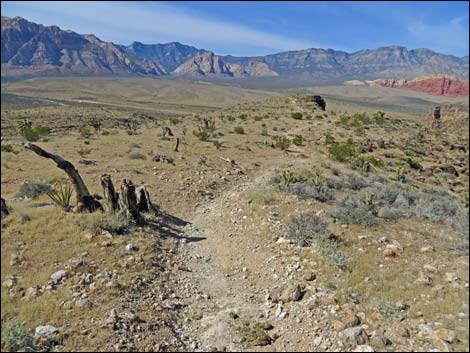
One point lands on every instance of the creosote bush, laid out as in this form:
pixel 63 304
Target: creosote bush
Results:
pixel 342 152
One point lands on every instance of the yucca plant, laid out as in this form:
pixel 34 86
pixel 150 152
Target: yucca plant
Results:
pixel 61 194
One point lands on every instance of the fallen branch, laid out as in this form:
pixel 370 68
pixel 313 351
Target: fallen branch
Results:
pixel 4 208
pixel 85 202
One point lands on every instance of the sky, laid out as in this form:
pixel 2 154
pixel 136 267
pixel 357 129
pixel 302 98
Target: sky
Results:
pixel 259 28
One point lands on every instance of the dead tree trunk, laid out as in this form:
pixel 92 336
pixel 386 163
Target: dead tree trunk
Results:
pixel 177 144
pixel 85 202
pixel 109 193
pixel 4 208
pixel 167 131
pixel 128 201
pixel 143 199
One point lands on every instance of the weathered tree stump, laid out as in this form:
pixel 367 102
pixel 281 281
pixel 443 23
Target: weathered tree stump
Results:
pixel 177 144
pixel 131 201
pixel 109 193
pixel 85 202
pixel 128 201
pixel 4 208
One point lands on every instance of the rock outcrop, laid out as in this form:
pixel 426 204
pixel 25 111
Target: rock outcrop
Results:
pixel 440 85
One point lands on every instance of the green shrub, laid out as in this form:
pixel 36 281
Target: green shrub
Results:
pixel 342 152
pixel 243 117
pixel 33 189
pixel 239 130
pixel 413 163
pixel 31 133
pixel 137 155
pixel 116 223
pixel 206 131
pixel 282 142
pixel 61 194
pixel 105 133
pixel 296 115
pixel 261 196
pixel 298 140
pixel 16 338
pixel 84 152
pixel 308 229
pixel 7 148
pixel 354 211
pixel 329 139
pixel 85 132
pixel 379 117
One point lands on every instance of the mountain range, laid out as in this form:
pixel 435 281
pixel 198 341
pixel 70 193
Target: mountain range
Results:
pixel 33 49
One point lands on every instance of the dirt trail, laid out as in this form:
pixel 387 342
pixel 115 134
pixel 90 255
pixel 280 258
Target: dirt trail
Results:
pixel 223 290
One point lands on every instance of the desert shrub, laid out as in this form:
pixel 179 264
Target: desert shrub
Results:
pixel 84 152
pixel 264 132
pixel 137 155
pixel 243 117
pixel 287 177
pixel 354 211
pixel 329 139
pixel 218 144
pixel 386 308
pixel 296 115
pixel 85 132
pixel 354 182
pixel 231 118
pixel 105 133
pixel 61 194
pixel 205 131
pixel 413 163
pixel 261 196
pixel 134 145
pixel 116 223
pixel 379 117
pixel 16 337
pixel 321 193
pixel 298 140
pixel 258 118
pixel 30 133
pixel 342 152
pixel 24 217
pixel 282 142
pixel 306 229
pixel 33 189
pixel 7 148
pixel 239 130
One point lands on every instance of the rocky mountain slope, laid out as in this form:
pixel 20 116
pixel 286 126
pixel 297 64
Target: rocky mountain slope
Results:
pixel 437 85
pixel 29 48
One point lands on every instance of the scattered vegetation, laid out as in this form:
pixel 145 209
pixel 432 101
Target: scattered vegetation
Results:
pixel 30 133
pixel 33 189
pixel 298 140
pixel 296 115
pixel 282 142
pixel 116 223
pixel 342 152
pixel 61 194
pixel 137 155
pixel 239 130
pixel 16 337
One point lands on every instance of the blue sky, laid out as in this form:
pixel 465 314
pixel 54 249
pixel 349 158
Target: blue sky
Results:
pixel 258 28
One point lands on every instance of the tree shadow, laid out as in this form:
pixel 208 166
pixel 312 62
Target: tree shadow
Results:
pixel 170 226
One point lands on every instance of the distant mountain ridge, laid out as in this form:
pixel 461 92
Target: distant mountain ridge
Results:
pixel 33 49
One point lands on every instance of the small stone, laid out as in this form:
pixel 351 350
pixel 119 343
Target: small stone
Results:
pixel 130 247
pixel 317 341
pixel 390 251
pixel 9 282
pixel 444 334
pixel 363 348
pixel 283 315
pixel 59 275
pixel 311 276
pixel 352 319
pixel 451 277
pixel 423 279
pixel 427 248
pixel 429 268
pixel 31 292
pixel 16 259
pixel 45 331
pixel 356 334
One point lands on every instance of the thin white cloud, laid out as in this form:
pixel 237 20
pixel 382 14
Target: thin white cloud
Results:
pixel 448 38
pixel 161 20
